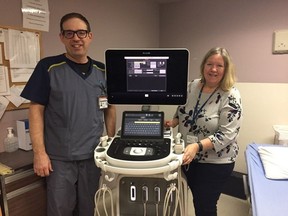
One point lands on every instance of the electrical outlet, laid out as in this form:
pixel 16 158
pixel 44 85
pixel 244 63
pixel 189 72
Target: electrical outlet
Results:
pixel 280 42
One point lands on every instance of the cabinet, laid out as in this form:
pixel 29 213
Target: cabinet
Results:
pixel 22 192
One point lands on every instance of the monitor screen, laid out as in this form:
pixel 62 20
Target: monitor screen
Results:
pixel 147 76
pixel 139 124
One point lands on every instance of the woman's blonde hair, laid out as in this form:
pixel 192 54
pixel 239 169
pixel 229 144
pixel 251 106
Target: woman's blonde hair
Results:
pixel 229 78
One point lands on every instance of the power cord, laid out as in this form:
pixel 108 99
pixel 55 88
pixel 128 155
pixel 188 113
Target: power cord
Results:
pixel 103 192
pixel 157 199
pixel 181 192
pixel 144 209
pixel 145 199
pixel 179 197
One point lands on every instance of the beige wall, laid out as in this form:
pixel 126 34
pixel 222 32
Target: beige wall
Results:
pixel 264 105
pixel 245 28
pixel 125 23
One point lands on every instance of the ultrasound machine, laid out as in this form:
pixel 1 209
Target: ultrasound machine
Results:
pixel 141 164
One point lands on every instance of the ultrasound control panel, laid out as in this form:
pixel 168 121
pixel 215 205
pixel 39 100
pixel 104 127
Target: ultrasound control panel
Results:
pixel 139 150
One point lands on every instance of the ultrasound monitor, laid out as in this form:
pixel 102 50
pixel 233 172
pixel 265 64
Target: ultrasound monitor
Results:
pixel 147 76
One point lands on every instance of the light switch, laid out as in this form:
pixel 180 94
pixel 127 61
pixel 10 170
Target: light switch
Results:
pixel 280 42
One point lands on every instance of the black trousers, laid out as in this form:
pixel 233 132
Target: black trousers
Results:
pixel 206 182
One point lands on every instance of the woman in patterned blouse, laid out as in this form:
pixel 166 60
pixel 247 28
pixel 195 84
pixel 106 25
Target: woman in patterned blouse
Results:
pixel 209 123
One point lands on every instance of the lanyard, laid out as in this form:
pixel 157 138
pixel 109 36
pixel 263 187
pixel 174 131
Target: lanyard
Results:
pixel 103 89
pixel 196 110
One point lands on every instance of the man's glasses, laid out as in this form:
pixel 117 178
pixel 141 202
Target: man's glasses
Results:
pixel 70 34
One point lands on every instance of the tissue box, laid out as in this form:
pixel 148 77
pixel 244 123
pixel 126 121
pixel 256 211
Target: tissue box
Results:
pixel 281 134
pixel 23 134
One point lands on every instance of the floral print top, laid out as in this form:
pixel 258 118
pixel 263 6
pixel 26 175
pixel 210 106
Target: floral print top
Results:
pixel 219 120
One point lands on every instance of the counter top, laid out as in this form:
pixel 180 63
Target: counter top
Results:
pixel 18 159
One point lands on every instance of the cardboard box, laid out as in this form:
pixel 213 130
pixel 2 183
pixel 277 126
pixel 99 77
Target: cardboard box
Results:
pixel 24 135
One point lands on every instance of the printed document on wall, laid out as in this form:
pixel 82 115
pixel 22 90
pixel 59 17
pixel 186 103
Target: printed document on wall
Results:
pixel 35 14
pixel 4 81
pixel 20 74
pixel 24 49
pixel 15 97
pixel 1 54
pixel 4 39
pixel 3 105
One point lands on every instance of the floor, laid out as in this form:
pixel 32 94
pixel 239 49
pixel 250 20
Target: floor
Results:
pixel 233 206
pixel 227 206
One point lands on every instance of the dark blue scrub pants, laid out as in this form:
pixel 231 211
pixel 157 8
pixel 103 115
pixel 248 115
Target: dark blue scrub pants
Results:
pixel 71 188
pixel 206 182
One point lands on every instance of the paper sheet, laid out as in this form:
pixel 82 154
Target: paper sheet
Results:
pixel 3 105
pixel 4 81
pixel 1 55
pixel 36 14
pixel 20 74
pixel 15 97
pixel 4 170
pixel 24 49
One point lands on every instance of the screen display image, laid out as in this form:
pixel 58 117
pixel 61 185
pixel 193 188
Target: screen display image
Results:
pixel 147 76
pixel 137 124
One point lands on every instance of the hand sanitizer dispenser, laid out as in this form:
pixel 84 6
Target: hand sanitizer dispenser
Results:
pixel 11 141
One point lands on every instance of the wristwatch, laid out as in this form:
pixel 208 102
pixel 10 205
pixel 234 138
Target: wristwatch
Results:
pixel 200 146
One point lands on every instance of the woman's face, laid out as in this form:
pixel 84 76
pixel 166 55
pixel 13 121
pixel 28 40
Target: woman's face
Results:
pixel 214 70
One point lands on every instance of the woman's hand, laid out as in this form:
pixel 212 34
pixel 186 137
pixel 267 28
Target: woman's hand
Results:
pixel 168 124
pixel 189 153
pixel 171 123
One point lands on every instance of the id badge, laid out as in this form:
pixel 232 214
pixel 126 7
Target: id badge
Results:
pixel 103 102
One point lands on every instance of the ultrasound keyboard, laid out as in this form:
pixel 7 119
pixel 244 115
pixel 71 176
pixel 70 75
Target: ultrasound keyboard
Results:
pixel 147 129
